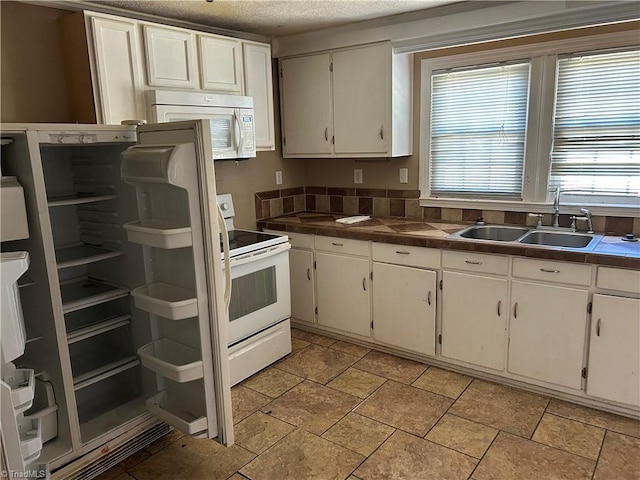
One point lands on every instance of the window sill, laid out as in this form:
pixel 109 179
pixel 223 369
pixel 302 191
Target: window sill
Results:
pixel 533 207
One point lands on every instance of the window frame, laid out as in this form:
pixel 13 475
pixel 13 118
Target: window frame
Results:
pixel 539 132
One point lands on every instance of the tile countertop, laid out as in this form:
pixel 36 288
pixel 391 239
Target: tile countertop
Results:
pixel 610 251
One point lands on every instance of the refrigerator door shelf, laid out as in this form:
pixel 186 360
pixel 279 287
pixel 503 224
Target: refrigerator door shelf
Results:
pixel 22 384
pixel 159 233
pixel 166 300
pixel 44 410
pixel 177 414
pixel 12 337
pixel 172 360
pixel 30 432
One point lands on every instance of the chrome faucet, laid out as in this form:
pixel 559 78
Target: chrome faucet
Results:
pixel 586 218
pixel 556 208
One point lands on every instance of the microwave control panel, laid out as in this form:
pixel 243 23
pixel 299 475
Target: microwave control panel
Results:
pixel 248 130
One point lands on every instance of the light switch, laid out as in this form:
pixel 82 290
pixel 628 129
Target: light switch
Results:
pixel 357 175
pixel 404 175
pixel 279 177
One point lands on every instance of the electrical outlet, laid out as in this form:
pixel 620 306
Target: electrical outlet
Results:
pixel 404 175
pixel 279 177
pixel 357 175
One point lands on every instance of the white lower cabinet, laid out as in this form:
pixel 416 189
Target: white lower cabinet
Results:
pixel 302 285
pixel 474 319
pixel 547 332
pixel 342 288
pixel 404 307
pixel 614 350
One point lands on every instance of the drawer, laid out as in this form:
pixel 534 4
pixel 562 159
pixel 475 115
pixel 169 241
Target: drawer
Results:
pixel 619 279
pixel 475 262
pixel 403 255
pixel 342 245
pixel 297 240
pixel 552 271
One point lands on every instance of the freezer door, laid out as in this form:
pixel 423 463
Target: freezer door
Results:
pixel 172 171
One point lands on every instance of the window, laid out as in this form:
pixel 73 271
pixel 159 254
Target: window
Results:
pixel 478 123
pixel 596 137
pixel 503 128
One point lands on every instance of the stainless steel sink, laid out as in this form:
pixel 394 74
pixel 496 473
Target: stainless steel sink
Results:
pixel 496 233
pixel 558 239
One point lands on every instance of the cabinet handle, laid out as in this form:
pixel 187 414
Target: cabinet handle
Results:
pixel 548 270
pixel 429 297
pixel 499 306
pixel 326 134
pixel 598 327
pixel 337 244
pixel 472 262
pixel 515 310
pixel 364 283
pixel 308 274
pixel 402 252
pixel 382 132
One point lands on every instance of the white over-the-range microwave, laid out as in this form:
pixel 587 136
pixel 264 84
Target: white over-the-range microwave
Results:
pixel 231 117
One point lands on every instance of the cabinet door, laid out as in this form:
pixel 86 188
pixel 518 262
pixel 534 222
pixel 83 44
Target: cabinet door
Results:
pixel 306 105
pixel 343 293
pixel 119 94
pixel 474 319
pixel 361 99
pixel 259 85
pixel 547 332
pixel 404 307
pixel 170 56
pixel 220 64
pixel 301 272
pixel 614 353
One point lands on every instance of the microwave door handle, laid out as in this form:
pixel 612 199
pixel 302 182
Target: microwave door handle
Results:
pixel 237 132
pixel 227 262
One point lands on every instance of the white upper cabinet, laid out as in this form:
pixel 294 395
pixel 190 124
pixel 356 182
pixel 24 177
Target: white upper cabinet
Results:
pixel 258 83
pixel 355 102
pixel 306 106
pixel 170 57
pixel 220 64
pixel 117 75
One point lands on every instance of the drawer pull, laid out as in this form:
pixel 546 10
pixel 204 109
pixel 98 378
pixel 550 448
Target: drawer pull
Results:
pixel 515 310
pixel 470 262
pixel 337 244
pixel 598 327
pixel 309 274
pixel 402 252
pixel 364 283
pixel 499 306
pixel 429 297
pixel 548 270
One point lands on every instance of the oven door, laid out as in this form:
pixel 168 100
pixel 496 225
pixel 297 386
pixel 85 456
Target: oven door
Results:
pixel 260 295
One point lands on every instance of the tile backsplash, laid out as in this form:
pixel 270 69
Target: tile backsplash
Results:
pixel 405 204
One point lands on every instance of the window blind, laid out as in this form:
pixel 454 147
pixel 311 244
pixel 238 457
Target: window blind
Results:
pixel 596 145
pixel 478 126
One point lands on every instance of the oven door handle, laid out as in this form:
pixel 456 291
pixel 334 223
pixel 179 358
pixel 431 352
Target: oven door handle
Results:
pixel 259 255
pixel 227 266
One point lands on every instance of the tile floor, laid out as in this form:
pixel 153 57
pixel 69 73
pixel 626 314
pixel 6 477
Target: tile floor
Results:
pixel 333 410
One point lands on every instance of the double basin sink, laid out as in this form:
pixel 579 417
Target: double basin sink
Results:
pixel 530 236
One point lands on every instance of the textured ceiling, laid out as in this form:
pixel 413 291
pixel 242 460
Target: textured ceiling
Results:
pixel 272 18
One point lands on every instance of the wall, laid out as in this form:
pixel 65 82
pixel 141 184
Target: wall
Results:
pixel 32 86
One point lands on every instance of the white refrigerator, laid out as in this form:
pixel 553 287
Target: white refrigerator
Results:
pixel 123 301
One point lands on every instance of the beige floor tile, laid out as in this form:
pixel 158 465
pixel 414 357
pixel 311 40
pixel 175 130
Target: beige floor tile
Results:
pixel 356 382
pixel 405 456
pixel 617 423
pixel 351 348
pixel 462 435
pixel 302 455
pixel 122 467
pixel 513 457
pixel 246 401
pixel 189 458
pixel 164 442
pixel 272 382
pixel 317 363
pixel 443 382
pixel 394 368
pixel 404 407
pixel 619 459
pixel 298 344
pixel 311 406
pixel 237 476
pixel 312 337
pixel 258 432
pixel 358 433
pixel 570 436
pixel 124 476
pixel 501 407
